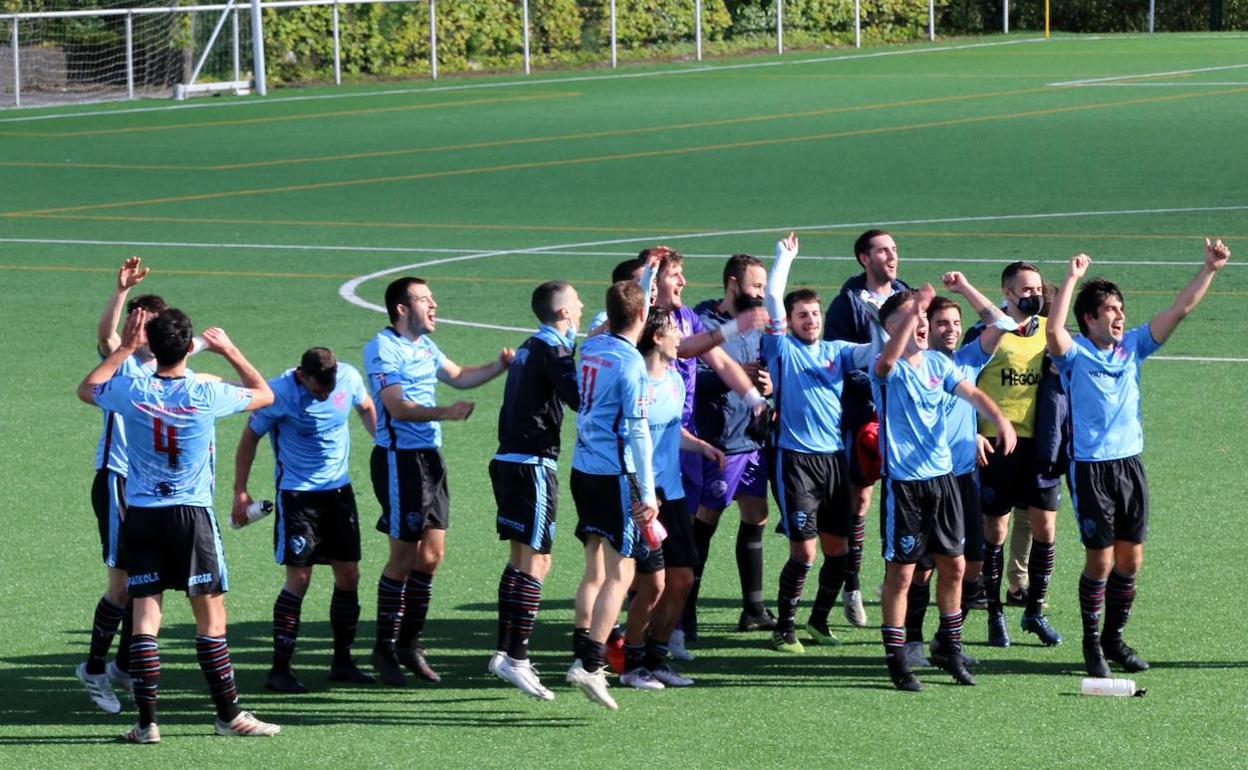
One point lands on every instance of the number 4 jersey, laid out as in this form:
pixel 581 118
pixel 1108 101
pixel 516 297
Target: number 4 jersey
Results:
pixel 170 427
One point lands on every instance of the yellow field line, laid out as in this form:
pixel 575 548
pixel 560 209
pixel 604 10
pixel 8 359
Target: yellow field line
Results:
pixel 754 143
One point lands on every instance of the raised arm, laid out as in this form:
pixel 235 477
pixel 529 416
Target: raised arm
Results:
pixel 216 340
pixel 697 344
pixel 1164 323
pixel 244 457
pixel 996 323
pixel 132 336
pixel 465 377
pixel 895 348
pixel 1006 437
pixel 129 276
pixel 1056 338
pixel 778 279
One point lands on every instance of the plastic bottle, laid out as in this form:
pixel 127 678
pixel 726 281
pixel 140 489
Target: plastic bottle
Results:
pixel 257 510
pixel 654 533
pixel 1118 687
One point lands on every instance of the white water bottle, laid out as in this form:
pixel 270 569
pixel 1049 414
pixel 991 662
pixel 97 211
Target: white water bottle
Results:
pixel 257 510
pixel 1118 687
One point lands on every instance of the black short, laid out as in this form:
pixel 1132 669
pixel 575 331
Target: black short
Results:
pixel 679 550
pixel 108 498
pixel 173 548
pixel 1111 501
pixel 812 493
pixel 604 508
pixel 972 516
pixel 918 517
pixel 410 485
pixel 316 527
pixel 1015 481
pixel 526 495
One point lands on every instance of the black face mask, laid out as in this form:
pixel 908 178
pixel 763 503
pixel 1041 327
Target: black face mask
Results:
pixel 1030 305
pixel 744 302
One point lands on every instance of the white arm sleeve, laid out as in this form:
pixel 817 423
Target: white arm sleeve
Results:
pixel 646 281
pixel 639 441
pixel 773 295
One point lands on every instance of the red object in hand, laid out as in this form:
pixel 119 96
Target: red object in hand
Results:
pixel 653 532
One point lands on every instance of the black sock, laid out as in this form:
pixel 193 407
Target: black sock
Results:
pixel 145 671
pixel 389 611
pixel 506 584
pixel 918 597
pixel 526 599
pixel 857 537
pixel 831 577
pixel 344 619
pixel 580 643
pixel 417 593
pixel 103 628
pixel 792 579
pixel 1039 571
pixel 994 556
pixel 1119 596
pixel 750 566
pixel 702 534
pixel 634 655
pixel 127 634
pixel 894 640
pixel 594 655
pixel 1091 603
pixel 656 654
pixel 214 660
pixel 286 612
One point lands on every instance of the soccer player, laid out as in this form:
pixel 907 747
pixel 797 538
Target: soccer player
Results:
pixel 1100 369
pixel 1011 380
pixel 316 521
pixel 612 480
pixel 721 418
pixel 404 365
pixel 853 316
pixel 171 536
pixel 808 465
pixel 920 505
pixel 540 381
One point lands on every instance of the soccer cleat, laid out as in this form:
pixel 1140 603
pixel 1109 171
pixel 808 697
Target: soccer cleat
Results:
pixel 976 598
pixel 522 674
pixel 822 635
pixel 1117 650
pixel 615 654
pixel 903 678
pixel 948 655
pixel 100 690
pixel 855 613
pixel 1094 658
pixel 1039 625
pixel 786 642
pixel 247 726
pixel 388 669
pixel 967 659
pixel 593 684
pixel 120 679
pixel 284 680
pixel 1016 597
pixel 998 636
pixel 414 659
pixel 676 646
pixel 749 621
pixel 640 679
pixel 140 734
pixel 913 655
pixel 346 671
pixel 670 677
pixel 496 660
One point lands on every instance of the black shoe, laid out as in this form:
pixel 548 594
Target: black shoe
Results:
pixel 1016 597
pixel 903 678
pixel 1039 625
pixel 998 636
pixel 752 622
pixel 976 598
pixel 1094 658
pixel 350 673
pixel 414 659
pixel 283 680
pixel 948 655
pixel 1117 650
pixel 388 669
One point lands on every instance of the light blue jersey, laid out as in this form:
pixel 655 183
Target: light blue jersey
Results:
pixel 665 399
pixel 1104 388
pixel 311 440
pixel 808 380
pixel 171 425
pixel 911 406
pixel 613 383
pixel 110 452
pixel 960 422
pixel 392 359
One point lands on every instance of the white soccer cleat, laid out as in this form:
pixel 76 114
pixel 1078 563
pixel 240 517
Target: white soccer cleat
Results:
pixel 913 654
pixel 640 679
pixel 246 725
pixel 120 679
pixel 496 660
pixel 522 674
pixel 676 646
pixel 593 684
pixel 137 734
pixel 100 690
pixel 855 613
pixel 670 677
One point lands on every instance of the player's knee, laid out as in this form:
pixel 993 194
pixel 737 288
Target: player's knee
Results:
pixel 679 580
pixel 346 575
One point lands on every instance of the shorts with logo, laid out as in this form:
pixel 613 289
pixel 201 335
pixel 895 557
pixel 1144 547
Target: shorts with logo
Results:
pixel 708 485
pixel 1111 501
pixel 526 495
pixel 173 548
pixel 1014 481
pixel 108 498
pixel 921 517
pixel 812 491
pixel 410 485
pixel 604 508
pixel 678 550
pixel 972 516
pixel 316 527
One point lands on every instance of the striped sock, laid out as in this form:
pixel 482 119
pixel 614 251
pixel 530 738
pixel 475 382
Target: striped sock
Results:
pixel 1119 596
pixel 127 634
pixel 344 619
pixel 832 576
pixel 792 579
pixel 856 540
pixel 286 612
pixel 214 660
pixel 918 597
pixel 145 670
pixel 389 611
pixel 1091 602
pixel 103 628
pixel 951 629
pixel 416 595
pixel 894 639
pixel 506 586
pixel 1039 571
pixel 526 600
pixel 994 562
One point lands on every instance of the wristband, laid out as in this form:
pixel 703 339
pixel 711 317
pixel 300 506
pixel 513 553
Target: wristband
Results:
pixel 1005 324
pixel 753 398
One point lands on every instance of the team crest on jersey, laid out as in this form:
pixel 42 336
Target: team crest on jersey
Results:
pixel 165 489
pixel 1120 352
pixel 907 543
pixel 298 544
pixel 340 400
pixel 933 381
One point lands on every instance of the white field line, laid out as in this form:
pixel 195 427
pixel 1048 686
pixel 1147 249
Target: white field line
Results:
pixel 1114 78
pixel 699 69
pixel 1203 83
